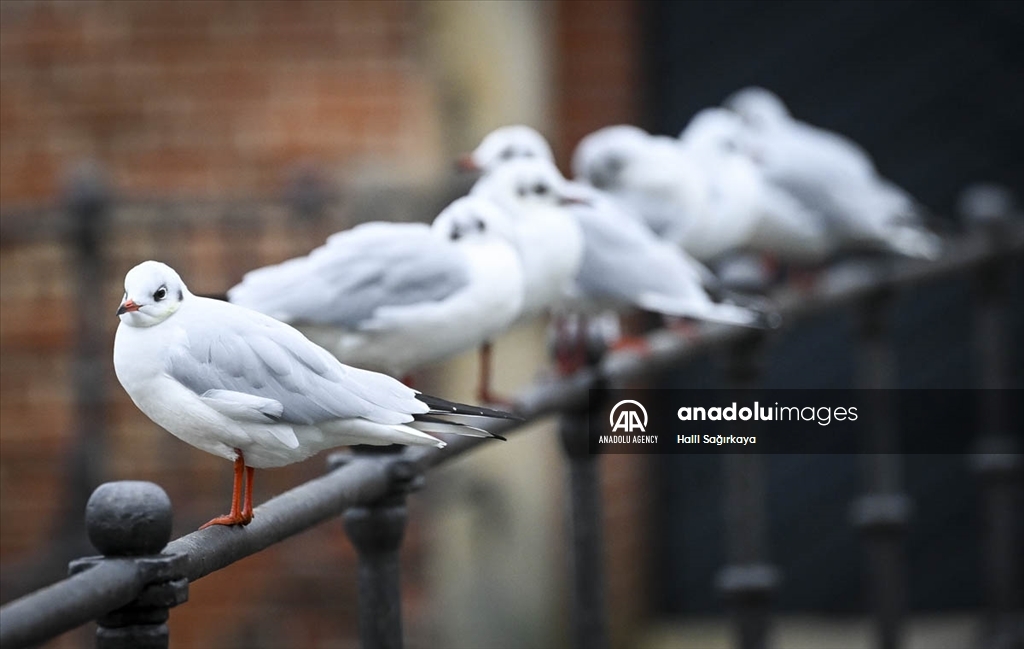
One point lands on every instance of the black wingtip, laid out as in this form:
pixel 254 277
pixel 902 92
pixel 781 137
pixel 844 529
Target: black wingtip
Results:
pixel 455 408
pixel 458 427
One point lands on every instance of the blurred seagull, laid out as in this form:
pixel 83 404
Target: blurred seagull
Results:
pixel 652 176
pixel 624 264
pixel 392 297
pixel 548 238
pixel 506 143
pixel 834 176
pixel 246 387
pixel 739 196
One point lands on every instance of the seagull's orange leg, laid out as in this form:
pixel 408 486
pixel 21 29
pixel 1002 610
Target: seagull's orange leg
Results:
pixel 235 517
pixel 483 385
pixel 636 344
pixel 250 473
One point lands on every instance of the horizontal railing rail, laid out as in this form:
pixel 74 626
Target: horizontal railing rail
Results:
pixel 362 479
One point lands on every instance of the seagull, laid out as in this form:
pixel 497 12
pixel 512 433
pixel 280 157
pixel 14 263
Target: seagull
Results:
pixel 251 389
pixel 651 175
pixel 624 265
pixel 548 238
pixel 834 176
pixel 506 143
pixel 392 297
pixel 760 216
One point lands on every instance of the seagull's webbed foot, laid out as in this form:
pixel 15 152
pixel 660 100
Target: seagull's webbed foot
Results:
pixel 227 519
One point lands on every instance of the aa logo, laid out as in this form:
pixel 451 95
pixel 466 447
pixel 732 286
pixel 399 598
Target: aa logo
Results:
pixel 628 416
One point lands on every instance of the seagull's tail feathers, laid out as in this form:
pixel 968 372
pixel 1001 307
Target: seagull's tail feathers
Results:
pixel 724 313
pixel 915 242
pixel 438 425
pixel 349 432
pixel 436 419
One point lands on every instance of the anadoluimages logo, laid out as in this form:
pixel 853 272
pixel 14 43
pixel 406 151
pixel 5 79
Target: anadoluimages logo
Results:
pixel 628 416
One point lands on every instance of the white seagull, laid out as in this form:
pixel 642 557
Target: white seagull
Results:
pixel 745 210
pixel 652 176
pixel 246 387
pixel 392 297
pixel 512 142
pixel 624 264
pixel 548 238
pixel 834 176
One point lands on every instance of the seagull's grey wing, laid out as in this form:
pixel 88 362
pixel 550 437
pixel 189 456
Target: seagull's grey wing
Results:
pixel 379 265
pixel 622 259
pixel 286 377
pixel 355 273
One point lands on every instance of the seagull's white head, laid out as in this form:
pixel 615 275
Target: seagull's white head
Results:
pixel 473 218
pixel 524 184
pixel 714 130
pixel 507 143
pixel 760 108
pixel 153 292
pixel 601 156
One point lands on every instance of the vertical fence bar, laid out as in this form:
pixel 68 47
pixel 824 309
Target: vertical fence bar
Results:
pixel 376 531
pixel 997 460
pixel 131 520
pixel 87 201
pixel 588 615
pixel 881 514
pixel 748 581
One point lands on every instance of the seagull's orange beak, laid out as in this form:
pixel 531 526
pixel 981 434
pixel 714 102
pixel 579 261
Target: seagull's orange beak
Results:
pixel 465 162
pixel 126 306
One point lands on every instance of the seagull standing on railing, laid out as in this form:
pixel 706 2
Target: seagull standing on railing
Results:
pixel 832 175
pixel 393 297
pixel 624 265
pixel 246 387
pixel 697 193
pixel 548 238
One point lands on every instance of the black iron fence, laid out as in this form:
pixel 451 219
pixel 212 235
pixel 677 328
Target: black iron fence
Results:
pixel 141 574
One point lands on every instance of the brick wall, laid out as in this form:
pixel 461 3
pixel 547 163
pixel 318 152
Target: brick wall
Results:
pixel 598 77
pixel 209 97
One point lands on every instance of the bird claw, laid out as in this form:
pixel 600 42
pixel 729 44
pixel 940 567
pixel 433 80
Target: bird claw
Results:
pixel 229 519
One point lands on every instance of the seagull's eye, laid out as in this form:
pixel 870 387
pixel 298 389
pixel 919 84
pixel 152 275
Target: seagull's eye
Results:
pixel 478 222
pixel 160 293
pixel 507 153
pixel 540 189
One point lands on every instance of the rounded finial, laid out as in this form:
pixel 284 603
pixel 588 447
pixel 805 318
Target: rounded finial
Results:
pixel 128 518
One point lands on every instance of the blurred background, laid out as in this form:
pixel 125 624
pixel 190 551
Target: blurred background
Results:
pixel 223 136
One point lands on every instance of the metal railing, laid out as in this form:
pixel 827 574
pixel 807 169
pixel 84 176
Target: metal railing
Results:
pixel 141 574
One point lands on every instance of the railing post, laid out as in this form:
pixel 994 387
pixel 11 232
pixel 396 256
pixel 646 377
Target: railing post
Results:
pixel 376 531
pixel 131 521
pixel 882 513
pixel 87 200
pixel 588 615
pixel 997 458
pixel 748 582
